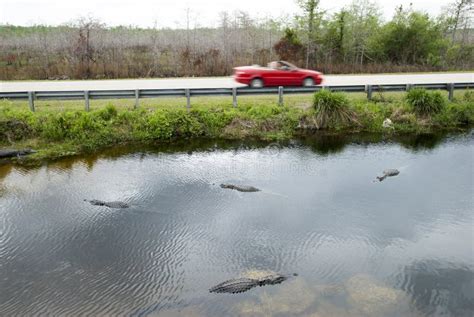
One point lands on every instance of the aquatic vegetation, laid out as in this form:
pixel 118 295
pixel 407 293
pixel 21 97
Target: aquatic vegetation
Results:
pixel 371 298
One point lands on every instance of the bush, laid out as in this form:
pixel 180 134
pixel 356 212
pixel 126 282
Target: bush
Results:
pixel 332 108
pixel 14 130
pixel 108 112
pixel 424 102
pixel 469 95
pixel 456 115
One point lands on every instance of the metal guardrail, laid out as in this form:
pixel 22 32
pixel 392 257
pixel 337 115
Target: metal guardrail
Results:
pixel 137 94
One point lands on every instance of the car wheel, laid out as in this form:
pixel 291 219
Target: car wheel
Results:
pixel 308 82
pixel 256 83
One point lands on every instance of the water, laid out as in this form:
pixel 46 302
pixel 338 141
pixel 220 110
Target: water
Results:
pixel 402 247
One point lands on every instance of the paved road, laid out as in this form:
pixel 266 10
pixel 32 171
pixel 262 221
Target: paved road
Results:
pixel 222 82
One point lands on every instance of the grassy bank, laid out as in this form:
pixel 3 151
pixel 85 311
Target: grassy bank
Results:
pixel 63 128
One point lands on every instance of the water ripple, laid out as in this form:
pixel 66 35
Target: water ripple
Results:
pixel 318 215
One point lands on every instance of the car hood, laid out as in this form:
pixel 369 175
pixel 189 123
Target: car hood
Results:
pixel 249 67
pixel 309 71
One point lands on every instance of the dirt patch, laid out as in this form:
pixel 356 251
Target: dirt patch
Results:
pixel 308 123
pixel 401 115
pixel 239 127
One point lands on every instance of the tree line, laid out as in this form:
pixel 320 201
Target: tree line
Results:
pixel 354 39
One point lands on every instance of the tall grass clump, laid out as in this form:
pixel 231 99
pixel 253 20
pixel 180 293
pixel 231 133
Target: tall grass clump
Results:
pixel 332 109
pixel 468 95
pixel 425 103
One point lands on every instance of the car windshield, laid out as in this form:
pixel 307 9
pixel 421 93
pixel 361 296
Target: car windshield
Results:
pixel 281 65
pixel 289 65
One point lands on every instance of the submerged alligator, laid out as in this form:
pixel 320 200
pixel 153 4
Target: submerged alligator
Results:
pixel 388 173
pixel 17 153
pixel 110 204
pixel 246 189
pixel 243 284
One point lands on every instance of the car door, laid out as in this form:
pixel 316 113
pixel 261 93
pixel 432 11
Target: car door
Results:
pixel 292 77
pixel 272 77
pixel 287 76
pixel 280 77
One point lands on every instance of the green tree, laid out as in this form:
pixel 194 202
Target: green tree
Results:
pixel 362 21
pixel 310 20
pixel 334 37
pixel 458 22
pixel 410 38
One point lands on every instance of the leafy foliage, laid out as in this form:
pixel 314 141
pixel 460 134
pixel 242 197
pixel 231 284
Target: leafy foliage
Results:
pixel 355 39
pixel 424 102
pixel 410 38
pixel 58 133
pixel 332 108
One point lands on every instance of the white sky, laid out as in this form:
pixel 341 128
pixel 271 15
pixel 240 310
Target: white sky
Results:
pixel 168 13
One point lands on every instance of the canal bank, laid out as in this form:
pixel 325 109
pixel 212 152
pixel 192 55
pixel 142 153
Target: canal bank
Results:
pixel 55 134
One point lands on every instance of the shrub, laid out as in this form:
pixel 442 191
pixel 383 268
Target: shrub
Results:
pixel 424 102
pixel 213 120
pixel 456 115
pixel 264 112
pixel 468 95
pixel 332 108
pixel 14 130
pixel 108 112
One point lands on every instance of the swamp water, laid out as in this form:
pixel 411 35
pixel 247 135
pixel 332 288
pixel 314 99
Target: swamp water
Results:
pixel 401 247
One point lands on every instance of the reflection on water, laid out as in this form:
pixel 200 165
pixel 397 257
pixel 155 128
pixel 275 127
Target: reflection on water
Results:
pixel 438 288
pixel 403 247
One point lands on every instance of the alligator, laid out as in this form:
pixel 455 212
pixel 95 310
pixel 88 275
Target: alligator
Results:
pixel 243 284
pixel 388 173
pixel 12 153
pixel 110 204
pixel 246 189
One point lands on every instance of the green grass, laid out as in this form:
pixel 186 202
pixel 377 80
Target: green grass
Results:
pixel 332 109
pixel 63 128
pixel 426 102
pixel 303 101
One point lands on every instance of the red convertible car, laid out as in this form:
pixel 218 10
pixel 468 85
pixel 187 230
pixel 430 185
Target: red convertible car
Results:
pixel 278 73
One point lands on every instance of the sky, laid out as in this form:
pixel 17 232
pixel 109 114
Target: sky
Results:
pixel 168 13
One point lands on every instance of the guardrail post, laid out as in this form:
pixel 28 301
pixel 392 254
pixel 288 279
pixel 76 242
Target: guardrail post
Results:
pixel 86 99
pixel 234 97
pixel 450 91
pixel 408 87
pixel 137 98
pixel 280 95
pixel 368 89
pixel 188 98
pixel 31 100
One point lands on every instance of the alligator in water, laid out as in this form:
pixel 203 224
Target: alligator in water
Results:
pixel 110 204
pixel 243 284
pixel 15 153
pixel 388 173
pixel 246 189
